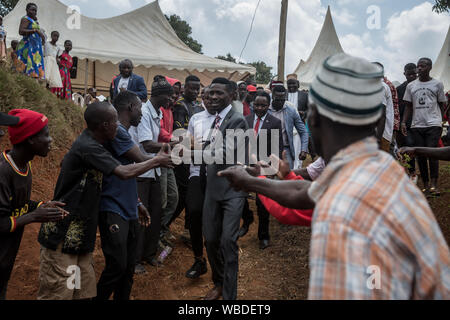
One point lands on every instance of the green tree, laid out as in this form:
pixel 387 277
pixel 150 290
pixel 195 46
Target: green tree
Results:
pixel 6 6
pixel 184 31
pixel 441 6
pixel 263 72
pixel 228 57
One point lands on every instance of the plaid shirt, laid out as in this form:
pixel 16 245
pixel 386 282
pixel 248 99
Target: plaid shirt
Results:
pixel 396 106
pixel 370 217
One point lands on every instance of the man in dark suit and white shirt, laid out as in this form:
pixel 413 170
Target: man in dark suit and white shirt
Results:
pixel 223 206
pixel 264 126
pixel 128 81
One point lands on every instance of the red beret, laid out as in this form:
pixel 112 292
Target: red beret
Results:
pixel 172 81
pixel 30 123
pixel 251 88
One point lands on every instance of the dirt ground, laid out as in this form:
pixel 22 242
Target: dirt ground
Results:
pixel 279 272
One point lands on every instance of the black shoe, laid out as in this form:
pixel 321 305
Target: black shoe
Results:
pixel 139 269
pixel 197 269
pixel 263 244
pixel 244 229
pixel 153 262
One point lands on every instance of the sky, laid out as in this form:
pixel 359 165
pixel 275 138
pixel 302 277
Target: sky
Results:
pixel 392 32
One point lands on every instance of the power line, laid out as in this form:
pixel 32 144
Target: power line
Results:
pixel 250 31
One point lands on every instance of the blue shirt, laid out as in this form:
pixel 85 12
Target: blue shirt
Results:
pixel 120 196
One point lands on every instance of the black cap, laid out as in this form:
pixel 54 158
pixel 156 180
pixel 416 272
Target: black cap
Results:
pixel 7 120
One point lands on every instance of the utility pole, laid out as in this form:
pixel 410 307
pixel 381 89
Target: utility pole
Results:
pixel 282 39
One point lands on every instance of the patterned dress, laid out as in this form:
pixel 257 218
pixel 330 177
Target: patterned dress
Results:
pixel 30 53
pixel 66 64
pixel 2 43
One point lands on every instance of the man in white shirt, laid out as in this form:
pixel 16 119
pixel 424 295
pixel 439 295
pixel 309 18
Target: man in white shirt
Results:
pixel 149 188
pixel 425 100
pixel 199 127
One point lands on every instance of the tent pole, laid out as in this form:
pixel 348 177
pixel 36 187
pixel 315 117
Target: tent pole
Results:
pixel 86 75
pixel 94 68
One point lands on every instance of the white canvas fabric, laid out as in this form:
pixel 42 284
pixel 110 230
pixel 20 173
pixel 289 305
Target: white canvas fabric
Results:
pixel 441 67
pixel 143 36
pixel 327 44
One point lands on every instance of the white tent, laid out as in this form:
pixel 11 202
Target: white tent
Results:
pixel 143 36
pixel 441 68
pixel 327 44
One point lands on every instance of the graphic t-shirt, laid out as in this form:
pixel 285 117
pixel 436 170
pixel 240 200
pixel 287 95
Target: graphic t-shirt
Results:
pixel 425 97
pixel 79 185
pixel 15 192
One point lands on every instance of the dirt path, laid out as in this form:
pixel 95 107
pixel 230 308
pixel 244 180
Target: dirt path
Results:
pixel 279 272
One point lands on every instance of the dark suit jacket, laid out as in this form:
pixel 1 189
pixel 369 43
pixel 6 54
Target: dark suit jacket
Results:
pixel 136 85
pixel 270 123
pixel 218 188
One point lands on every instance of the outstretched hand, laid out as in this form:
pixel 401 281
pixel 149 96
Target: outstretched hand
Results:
pixel 407 150
pixel 164 157
pixel 237 176
pixel 284 168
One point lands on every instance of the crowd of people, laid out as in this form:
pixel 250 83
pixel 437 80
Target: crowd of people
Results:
pixel 38 57
pixel 124 175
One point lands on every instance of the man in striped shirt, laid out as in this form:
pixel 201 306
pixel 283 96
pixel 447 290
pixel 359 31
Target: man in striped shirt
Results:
pixel 374 235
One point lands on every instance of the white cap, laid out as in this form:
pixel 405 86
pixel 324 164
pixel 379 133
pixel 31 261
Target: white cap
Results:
pixel 348 90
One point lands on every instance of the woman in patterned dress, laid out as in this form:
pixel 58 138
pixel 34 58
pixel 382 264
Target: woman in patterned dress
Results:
pixel 65 66
pixel 2 41
pixel 29 50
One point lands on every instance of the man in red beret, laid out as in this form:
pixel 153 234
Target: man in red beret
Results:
pixel 248 103
pixel 30 137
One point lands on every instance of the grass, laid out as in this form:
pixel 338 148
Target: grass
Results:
pixel 19 91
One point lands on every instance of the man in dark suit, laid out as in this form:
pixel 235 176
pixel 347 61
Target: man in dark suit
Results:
pixel 223 206
pixel 128 81
pixel 264 125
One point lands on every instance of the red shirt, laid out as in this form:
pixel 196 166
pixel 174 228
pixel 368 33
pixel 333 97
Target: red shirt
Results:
pixel 247 110
pixel 286 215
pixel 165 133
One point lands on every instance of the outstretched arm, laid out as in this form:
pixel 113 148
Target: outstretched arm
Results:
pixel 290 194
pixel 435 153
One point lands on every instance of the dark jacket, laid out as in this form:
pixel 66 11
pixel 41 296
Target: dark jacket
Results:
pixel 136 85
pixel 218 188
pixel 270 123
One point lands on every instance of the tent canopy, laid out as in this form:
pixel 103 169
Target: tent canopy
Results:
pixel 441 68
pixel 143 36
pixel 327 44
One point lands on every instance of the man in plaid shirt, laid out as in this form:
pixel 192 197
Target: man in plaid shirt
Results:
pixel 374 235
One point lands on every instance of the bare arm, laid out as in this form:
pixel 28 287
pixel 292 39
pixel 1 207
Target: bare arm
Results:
pixel 290 194
pixel 406 116
pixel 435 153
pixel 303 173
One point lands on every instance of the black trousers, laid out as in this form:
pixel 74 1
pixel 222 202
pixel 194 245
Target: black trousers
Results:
pixel 247 214
pixel 427 137
pixel 263 219
pixel 119 242
pixel 182 174
pixel 221 221
pixel 407 141
pixel 196 197
pixel 149 191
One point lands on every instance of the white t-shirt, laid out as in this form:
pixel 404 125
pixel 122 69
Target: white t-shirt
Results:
pixel 425 97
pixel 293 98
pixel 387 101
pixel 123 83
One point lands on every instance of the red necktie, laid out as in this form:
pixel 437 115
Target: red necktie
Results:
pixel 256 128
